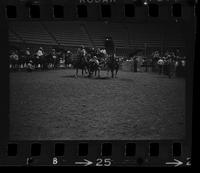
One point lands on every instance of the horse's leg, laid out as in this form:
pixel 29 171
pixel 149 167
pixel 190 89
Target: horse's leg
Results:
pixel 83 72
pixel 98 73
pixel 108 72
pixel 85 69
pixel 76 75
pixel 90 72
pixel 112 73
pixel 95 73
pixel 116 71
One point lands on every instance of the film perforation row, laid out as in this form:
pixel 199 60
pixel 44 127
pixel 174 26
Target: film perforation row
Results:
pixel 129 149
pixel 82 11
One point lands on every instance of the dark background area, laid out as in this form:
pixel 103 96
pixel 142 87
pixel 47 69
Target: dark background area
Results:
pixel 4 102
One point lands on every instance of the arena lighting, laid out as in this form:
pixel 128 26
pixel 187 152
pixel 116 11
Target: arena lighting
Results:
pixel 145 2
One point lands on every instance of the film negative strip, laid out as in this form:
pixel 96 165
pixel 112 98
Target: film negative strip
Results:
pixel 132 102
pixel 97 153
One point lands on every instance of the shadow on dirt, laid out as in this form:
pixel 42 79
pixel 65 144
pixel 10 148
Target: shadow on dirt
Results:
pixel 126 80
pixel 86 77
pixel 68 76
pixel 99 78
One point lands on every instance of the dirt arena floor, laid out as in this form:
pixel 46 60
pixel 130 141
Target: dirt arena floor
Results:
pixel 53 105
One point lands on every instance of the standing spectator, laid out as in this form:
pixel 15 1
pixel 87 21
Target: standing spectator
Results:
pixel 54 56
pixel 166 61
pixel 40 52
pixel 12 61
pixel 184 66
pixel 156 56
pixel 160 65
pixel 68 60
pixel 178 68
pixel 135 62
pixel 39 55
pixel 30 66
pixel 27 56
pixel 15 60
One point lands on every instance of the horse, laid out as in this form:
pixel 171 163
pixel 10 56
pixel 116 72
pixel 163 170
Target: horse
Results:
pixel 160 64
pixel 22 59
pixel 14 62
pixel 68 59
pixel 36 61
pixel 54 61
pixel 171 68
pixel 80 62
pixel 94 67
pixel 45 60
pixel 112 64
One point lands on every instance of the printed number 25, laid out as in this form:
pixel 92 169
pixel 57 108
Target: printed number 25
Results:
pixel 103 162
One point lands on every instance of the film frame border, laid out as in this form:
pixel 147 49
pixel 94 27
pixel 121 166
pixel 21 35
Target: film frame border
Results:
pixel 141 158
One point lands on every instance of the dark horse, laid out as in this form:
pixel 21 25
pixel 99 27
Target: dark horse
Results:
pixel 36 61
pixel 42 61
pixel 94 67
pixel 80 62
pixel 48 61
pixel 112 64
pixel 68 59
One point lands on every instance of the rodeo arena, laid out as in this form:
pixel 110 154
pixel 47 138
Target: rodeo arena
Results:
pixel 91 76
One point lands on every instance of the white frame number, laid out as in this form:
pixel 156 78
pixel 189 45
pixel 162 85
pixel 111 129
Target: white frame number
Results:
pixel 55 161
pixel 103 162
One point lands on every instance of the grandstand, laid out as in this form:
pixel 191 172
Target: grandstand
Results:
pixel 32 32
pixel 67 33
pixel 126 36
pixel 141 31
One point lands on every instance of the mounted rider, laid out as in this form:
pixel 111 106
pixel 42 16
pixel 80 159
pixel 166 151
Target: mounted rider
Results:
pixel 54 57
pixel 14 58
pixel 40 53
pixel 81 55
pixel 68 53
pixel 80 61
pixel 28 53
pixel 67 58
pixel 53 52
pixel 160 64
pixel 95 60
pixel 81 51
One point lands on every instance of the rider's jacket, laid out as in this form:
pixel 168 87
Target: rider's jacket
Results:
pixel 160 62
pixel 28 52
pixel 81 52
pixel 39 53
pixel 95 60
pixel 183 63
pixel 14 56
pixel 54 55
